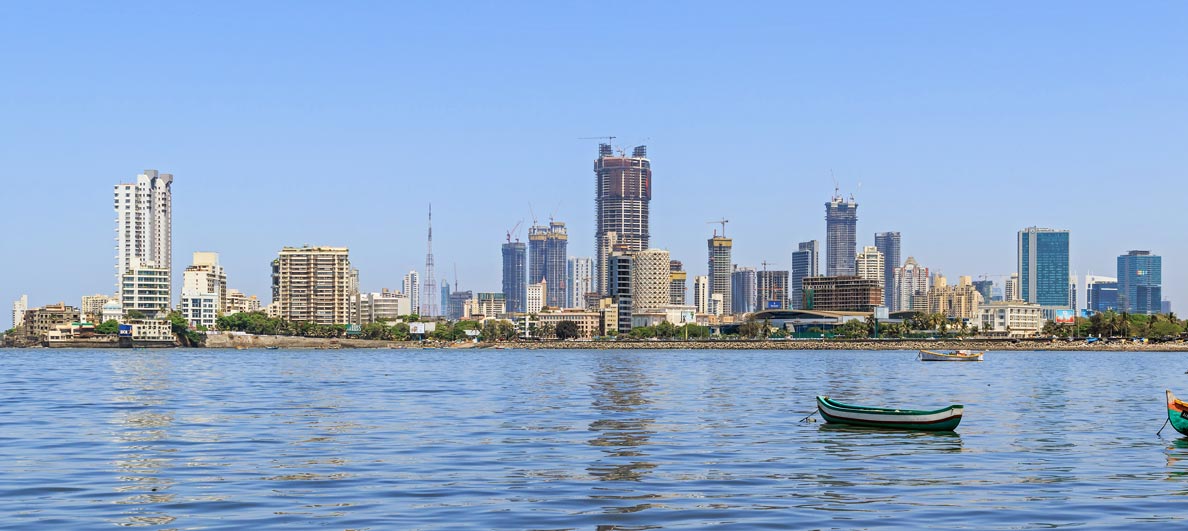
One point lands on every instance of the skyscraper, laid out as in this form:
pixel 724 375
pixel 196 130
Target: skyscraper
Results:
pixel 804 264
pixel 144 225
pixel 1140 282
pixel 1043 268
pixel 888 244
pixel 313 284
pixel 580 276
pixel 1101 293
pixel 719 270
pixel 651 281
pixel 742 290
pixel 677 278
pixel 841 226
pixel 547 247
pixel 701 294
pixel 870 264
pixel 411 287
pixel 515 270
pixel 622 193
pixel 621 267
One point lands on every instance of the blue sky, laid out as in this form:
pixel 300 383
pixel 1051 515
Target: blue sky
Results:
pixel 956 124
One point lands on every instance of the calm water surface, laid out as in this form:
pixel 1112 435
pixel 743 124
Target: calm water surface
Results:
pixel 592 440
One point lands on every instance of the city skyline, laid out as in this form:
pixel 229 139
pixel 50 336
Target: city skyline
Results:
pixel 1058 144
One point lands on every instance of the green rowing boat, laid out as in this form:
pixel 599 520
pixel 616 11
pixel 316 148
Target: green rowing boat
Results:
pixel 1177 413
pixel 944 419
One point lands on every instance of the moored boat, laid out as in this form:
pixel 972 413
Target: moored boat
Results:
pixel 944 419
pixel 957 355
pixel 1177 413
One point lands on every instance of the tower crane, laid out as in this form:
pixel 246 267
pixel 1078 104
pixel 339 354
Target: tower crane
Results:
pixel 722 222
pixel 514 231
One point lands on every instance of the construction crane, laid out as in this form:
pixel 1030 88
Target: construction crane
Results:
pixel 765 263
pixel 609 139
pixel 722 222
pixel 514 231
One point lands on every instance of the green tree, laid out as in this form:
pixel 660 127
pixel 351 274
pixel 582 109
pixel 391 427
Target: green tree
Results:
pixel 666 330
pixel 108 327
pixel 853 329
pixel 568 330
pixel 400 332
pixel 694 331
pixel 135 314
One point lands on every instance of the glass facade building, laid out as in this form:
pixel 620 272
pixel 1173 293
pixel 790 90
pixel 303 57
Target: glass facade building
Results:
pixel 1043 267
pixel 1140 282
pixel 804 264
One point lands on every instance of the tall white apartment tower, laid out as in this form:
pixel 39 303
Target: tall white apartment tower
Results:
pixel 144 226
pixel 411 288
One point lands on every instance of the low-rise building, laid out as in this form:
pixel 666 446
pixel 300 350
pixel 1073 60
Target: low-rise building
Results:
pixel 39 321
pixel 1011 319
pixel 155 330
pixel 383 306
pixel 92 307
pixel 200 309
pixel 589 323
pixel 238 302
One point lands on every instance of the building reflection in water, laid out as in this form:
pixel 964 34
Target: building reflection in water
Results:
pixel 142 421
pixel 624 428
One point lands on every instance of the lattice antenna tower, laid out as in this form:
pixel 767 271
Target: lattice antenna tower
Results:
pixel 428 284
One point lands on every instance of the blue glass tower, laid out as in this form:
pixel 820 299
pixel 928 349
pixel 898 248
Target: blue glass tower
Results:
pixel 1043 267
pixel 1140 282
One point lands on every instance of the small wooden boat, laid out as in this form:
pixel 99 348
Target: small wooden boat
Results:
pixel 957 355
pixel 1177 413
pixel 944 419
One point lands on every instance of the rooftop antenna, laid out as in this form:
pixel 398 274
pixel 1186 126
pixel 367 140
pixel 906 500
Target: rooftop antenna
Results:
pixel 722 222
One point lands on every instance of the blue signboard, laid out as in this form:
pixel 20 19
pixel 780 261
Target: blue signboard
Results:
pixel 125 330
pixel 775 305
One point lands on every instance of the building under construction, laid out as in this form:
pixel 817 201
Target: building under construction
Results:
pixel 719 267
pixel 841 225
pixel 547 257
pixel 842 294
pixel 622 194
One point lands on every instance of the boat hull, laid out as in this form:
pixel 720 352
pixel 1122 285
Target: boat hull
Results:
pixel 1177 413
pixel 928 355
pixel 945 419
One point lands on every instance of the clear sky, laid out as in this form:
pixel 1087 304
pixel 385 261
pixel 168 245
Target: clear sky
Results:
pixel 336 123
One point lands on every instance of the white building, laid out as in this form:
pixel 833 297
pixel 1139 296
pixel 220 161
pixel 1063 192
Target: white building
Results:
pixel 911 283
pixel 535 299
pixel 869 265
pixel 1012 291
pixel 112 311
pixel 717 304
pixel 205 275
pixel 237 302
pixel 19 307
pixel 411 288
pixel 1011 319
pixel 144 226
pixel 200 309
pixel 92 307
pixel 489 304
pixel 701 294
pixel 651 280
pixel 146 290
pixel 580 276
pixel 385 305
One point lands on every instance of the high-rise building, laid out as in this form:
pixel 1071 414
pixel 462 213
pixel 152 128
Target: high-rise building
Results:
pixel 456 304
pixel 91 309
pixel 410 286
pixel 313 284
pixel 986 288
pixel 960 301
pixel 1011 291
pixel 19 307
pixel 547 247
pixel 742 290
pixel 622 193
pixel 841 227
pixel 719 270
pixel 841 294
pixel 621 266
pixel 1043 268
pixel 580 276
pixel 677 278
pixel 651 281
pixel 515 271
pixel 701 294
pixel 146 290
pixel 144 225
pixel 443 298
pixel 911 283
pixel 534 296
pixel 773 290
pixel 205 275
pixel 871 264
pixel 1140 282
pixel 804 264
pixel 1101 294
pixel 491 304
pixel 888 244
